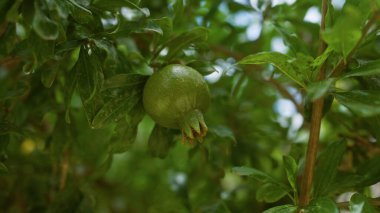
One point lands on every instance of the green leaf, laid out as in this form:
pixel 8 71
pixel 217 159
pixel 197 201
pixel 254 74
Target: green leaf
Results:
pixel 44 26
pixel 166 26
pixel 258 175
pixel 153 26
pixel 346 32
pixel 295 44
pixel 318 89
pixel 3 168
pixel 369 170
pixel 364 103
pixel 317 63
pixel 112 58
pixel 368 69
pixel 124 80
pixel 327 163
pixel 90 73
pixel 115 109
pixel 126 130
pixel 279 60
pixel 203 67
pixel 270 193
pixel 323 205
pixel 344 181
pixel 13 12
pixel 160 141
pixel 80 13
pixel 48 76
pixel 291 171
pixel 42 50
pixel 177 44
pixel 360 204
pixel 71 83
pixel 222 132
pixel 282 209
pixel 178 11
pixel 117 4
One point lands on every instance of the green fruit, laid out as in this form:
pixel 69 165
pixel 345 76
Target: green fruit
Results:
pixel 175 97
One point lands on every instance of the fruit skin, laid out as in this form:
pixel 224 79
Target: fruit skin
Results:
pixel 175 97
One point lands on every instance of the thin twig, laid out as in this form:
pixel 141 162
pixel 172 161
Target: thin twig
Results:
pixel 315 126
pixel 286 94
pixel 64 169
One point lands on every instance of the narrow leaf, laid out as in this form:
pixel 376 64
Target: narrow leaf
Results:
pixel 279 60
pixel 270 193
pixel 177 44
pixel 291 171
pixel 317 63
pixel 364 103
pixel 368 69
pixel 369 171
pixel 258 175
pixel 327 163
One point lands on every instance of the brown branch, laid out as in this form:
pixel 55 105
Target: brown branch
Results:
pixel 64 170
pixel 315 126
pixel 286 94
pixel 343 62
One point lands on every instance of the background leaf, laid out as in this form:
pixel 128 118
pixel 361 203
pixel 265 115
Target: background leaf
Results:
pixel 185 39
pixel 367 69
pixel 160 141
pixel 363 103
pixel 279 60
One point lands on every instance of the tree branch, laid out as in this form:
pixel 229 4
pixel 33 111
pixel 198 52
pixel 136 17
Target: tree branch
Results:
pixel 286 94
pixel 316 118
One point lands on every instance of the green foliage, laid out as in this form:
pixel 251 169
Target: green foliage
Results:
pixel 359 203
pixel 74 135
pixel 281 61
pixel 327 163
